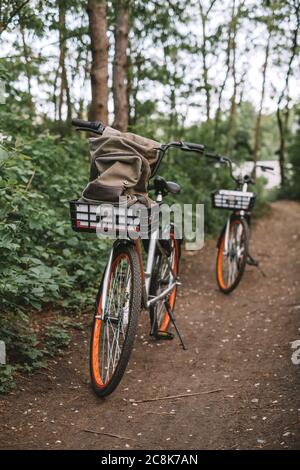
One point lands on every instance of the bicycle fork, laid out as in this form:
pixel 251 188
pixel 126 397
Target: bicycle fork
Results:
pixel 227 228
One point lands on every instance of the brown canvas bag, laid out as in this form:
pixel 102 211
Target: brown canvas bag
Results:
pixel 121 165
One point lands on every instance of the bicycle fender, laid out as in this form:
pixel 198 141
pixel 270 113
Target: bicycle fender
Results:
pixel 221 236
pixel 232 217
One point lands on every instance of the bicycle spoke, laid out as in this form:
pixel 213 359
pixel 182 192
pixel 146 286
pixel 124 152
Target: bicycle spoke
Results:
pixel 116 319
pixel 164 278
pixel 233 258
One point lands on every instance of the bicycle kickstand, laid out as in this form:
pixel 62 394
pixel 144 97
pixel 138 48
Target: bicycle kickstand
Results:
pixel 171 315
pixel 252 262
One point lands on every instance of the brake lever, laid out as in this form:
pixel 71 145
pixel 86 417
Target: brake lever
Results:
pixel 268 170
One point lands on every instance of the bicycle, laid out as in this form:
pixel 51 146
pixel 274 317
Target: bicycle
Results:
pixel 233 242
pixel 127 286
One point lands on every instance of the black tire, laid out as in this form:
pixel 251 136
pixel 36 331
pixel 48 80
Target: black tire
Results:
pixel 163 323
pixel 100 327
pixel 224 286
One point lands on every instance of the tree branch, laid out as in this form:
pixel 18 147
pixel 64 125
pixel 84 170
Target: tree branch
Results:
pixel 4 25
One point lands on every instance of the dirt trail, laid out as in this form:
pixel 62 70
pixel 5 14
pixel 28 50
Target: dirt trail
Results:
pixel 240 344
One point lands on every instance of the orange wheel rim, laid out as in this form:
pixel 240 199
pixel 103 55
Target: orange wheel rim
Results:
pixel 223 285
pixel 220 264
pixel 95 352
pixel 166 319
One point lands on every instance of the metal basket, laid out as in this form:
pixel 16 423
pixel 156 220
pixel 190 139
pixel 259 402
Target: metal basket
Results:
pixel 236 200
pixel 109 219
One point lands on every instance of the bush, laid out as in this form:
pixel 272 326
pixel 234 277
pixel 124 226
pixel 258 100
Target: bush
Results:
pixel 42 261
pixel 291 189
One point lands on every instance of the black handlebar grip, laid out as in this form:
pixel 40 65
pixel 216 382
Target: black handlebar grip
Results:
pixel 264 167
pixel 81 123
pixel 191 146
pixel 95 126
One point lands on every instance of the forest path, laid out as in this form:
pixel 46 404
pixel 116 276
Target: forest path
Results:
pixel 239 348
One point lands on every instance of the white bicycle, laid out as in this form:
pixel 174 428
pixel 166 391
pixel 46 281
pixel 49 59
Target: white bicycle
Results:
pixel 127 286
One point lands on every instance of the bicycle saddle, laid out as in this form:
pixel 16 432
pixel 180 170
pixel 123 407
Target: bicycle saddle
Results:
pixel 159 184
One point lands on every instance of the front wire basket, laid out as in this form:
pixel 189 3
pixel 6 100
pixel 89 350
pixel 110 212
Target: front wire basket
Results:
pixel 109 219
pixel 235 200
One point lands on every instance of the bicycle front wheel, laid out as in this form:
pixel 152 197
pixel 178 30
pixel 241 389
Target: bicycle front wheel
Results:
pixel 113 330
pixel 231 262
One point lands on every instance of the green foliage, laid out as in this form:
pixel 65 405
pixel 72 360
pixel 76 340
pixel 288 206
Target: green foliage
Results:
pixel 6 378
pixel 42 261
pixel 56 337
pixel 29 347
pixel 292 187
pixel 21 341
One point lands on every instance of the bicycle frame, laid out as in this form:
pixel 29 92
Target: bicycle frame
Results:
pixel 243 187
pixel 146 274
pixel 234 240
pixel 154 241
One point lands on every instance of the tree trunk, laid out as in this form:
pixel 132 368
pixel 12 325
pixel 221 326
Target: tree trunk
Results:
pixel 26 54
pixel 133 89
pixel 120 64
pixel 283 125
pixel 99 71
pixel 232 112
pixel 64 85
pixel 222 87
pixel 129 87
pixel 204 16
pixel 262 97
pixel 7 16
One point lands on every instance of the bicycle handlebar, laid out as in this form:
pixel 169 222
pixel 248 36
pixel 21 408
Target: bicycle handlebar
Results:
pixel 229 163
pixel 264 167
pixel 97 127
pixel 224 160
pixel 184 146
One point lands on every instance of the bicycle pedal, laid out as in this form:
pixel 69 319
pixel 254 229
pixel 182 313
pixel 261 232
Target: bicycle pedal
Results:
pixel 163 335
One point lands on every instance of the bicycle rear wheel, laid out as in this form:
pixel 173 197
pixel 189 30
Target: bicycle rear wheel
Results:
pixel 113 330
pixel 162 278
pixel 231 264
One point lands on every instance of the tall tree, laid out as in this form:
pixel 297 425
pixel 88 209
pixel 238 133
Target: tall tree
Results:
pixel 120 64
pixel 227 71
pixel 283 115
pixel 160 24
pixel 64 83
pixel 233 51
pixel 269 18
pixel 99 71
pixel 204 17
pixel 261 103
pixel 9 10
